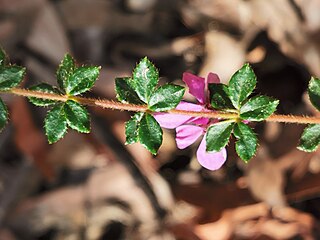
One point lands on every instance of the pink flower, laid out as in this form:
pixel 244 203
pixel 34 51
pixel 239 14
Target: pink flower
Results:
pixel 189 129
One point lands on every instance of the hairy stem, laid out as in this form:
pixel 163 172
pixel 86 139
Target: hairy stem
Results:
pixel 104 103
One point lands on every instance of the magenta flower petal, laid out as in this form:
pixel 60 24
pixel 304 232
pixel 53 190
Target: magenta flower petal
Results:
pixel 213 78
pixel 187 134
pixel 189 106
pixel 213 160
pixel 199 121
pixel 196 86
pixel 171 121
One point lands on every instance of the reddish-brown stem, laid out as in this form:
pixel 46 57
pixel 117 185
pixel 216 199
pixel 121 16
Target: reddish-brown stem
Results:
pixel 104 103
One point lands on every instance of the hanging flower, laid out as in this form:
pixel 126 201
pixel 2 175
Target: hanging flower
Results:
pixel 189 129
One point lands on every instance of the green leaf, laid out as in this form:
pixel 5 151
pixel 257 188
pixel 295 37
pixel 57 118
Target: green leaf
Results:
pixel 145 77
pixel 55 124
pixel 132 127
pixel 65 70
pixel 2 57
pixel 241 85
pixel 258 108
pixel 310 138
pixel 219 95
pixel 247 143
pixel 218 135
pixel 150 133
pixel 314 92
pixel 166 97
pixel 82 80
pixel 77 116
pixel 126 92
pixel 46 88
pixel 3 114
pixel 11 76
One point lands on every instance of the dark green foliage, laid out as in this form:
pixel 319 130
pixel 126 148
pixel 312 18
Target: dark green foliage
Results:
pixel 82 80
pixel 3 115
pixel 218 135
pixel 314 92
pixel 241 85
pixel 11 76
pixel 132 127
pixel 150 133
pixel 65 70
pixel 55 124
pixel 247 142
pixel 219 95
pixel 310 138
pixel 166 97
pixel 46 88
pixel 125 91
pixel 258 108
pixel 77 116
pixel 145 79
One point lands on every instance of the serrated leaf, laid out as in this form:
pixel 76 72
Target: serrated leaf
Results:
pixel 132 127
pixel 65 70
pixel 55 124
pixel 2 57
pixel 150 133
pixel 166 97
pixel 310 138
pixel 126 92
pixel 3 114
pixel 218 135
pixel 258 108
pixel 145 78
pixel 11 76
pixel 77 116
pixel 247 142
pixel 314 92
pixel 82 80
pixel 219 96
pixel 46 88
pixel 241 85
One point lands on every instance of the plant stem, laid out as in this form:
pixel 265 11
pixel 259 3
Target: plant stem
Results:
pixel 104 103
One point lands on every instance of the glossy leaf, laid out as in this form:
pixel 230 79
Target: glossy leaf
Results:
pixel 2 57
pixel 132 127
pixel 218 135
pixel 258 108
pixel 82 80
pixel 314 92
pixel 77 116
pixel 247 142
pixel 3 114
pixel 126 92
pixel 46 88
pixel 145 78
pixel 150 133
pixel 65 70
pixel 310 138
pixel 55 124
pixel 241 85
pixel 219 96
pixel 11 76
pixel 166 97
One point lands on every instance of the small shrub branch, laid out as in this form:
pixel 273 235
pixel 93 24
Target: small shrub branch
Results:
pixel 110 104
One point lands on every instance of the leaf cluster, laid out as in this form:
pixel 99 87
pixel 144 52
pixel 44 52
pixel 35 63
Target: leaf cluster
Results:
pixel 142 89
pixel 72 80
pixel 310 138
pixel 234 97
pixel 10 77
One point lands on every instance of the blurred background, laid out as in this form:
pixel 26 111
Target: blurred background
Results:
pixel 91 186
